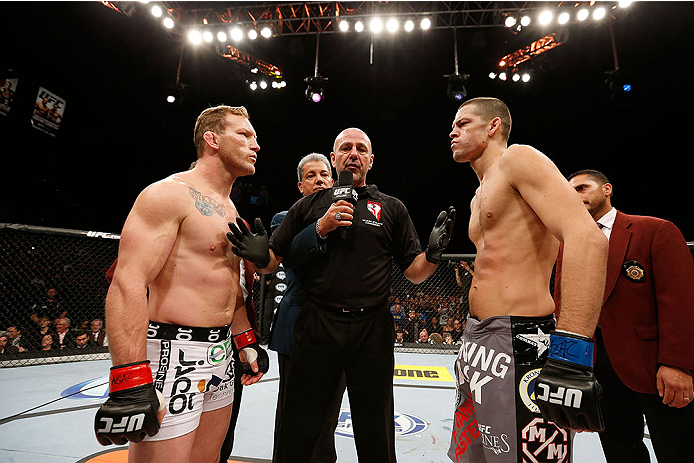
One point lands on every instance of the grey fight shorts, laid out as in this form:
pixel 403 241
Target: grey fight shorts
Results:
pixel 496 417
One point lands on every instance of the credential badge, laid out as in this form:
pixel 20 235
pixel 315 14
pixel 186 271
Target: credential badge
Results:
pixel 635 271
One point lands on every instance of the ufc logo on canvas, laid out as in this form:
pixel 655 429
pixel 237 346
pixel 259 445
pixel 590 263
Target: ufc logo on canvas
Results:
pixel 127 424
pixel 567 397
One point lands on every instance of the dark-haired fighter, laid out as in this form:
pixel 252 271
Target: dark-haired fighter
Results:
pixel 521 212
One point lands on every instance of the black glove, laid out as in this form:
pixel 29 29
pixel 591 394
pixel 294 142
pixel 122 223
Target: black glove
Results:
pixel 252 246
pixel 247 342
pixel 566 390
pixel 131 409
pixel 440 235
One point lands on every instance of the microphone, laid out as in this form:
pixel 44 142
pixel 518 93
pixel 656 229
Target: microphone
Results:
pixel 345 191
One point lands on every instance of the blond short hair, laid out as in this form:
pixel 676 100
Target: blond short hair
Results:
pixel 214 120
pixel 489 108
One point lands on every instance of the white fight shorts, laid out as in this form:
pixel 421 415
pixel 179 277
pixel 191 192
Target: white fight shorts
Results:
pixel 194 369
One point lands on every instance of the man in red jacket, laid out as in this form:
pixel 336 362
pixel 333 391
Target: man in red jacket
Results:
pixel 644 341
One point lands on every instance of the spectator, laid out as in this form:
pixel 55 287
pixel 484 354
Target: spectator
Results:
pixel 447 338
pixel 5 347
pixel 449 326
pixel 15 338
pixel 412 325
pixel 63 336
pixel 97 334
pixel 43 329
pixel 48 306
pixel 436 338
pixel 399 337
pixel 424 337
pixel 47 342
pixel 398 315
pixel 82 340
pixel 457 330
pixel 433 325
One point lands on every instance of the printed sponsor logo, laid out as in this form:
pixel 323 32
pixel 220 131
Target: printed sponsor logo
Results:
pixel 375 208
pixel 421 373
pixel 217 353
pixel 96 388
pixel 486 361
pixel 526 389
pixel 405 424
pixel 543 441
pixel 108 236
pixel 540 340
pixel 280 286
pixel 496 443
pixel 465 429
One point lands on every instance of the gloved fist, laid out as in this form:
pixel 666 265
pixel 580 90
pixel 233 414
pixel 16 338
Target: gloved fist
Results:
pixel 252 246
pixel 130 412
pixel 248 343
pixel 440 235
pixel 566 389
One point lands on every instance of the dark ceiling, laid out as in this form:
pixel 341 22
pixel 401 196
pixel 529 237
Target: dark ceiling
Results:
pixel 118 135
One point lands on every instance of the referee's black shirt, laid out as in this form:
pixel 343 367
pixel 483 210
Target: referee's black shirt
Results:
pixel 354 272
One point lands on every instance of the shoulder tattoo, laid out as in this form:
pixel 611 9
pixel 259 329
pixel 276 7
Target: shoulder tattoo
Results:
pixel 206 205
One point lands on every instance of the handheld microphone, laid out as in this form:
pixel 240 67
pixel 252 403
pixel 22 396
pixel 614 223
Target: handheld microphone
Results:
pixel 346 192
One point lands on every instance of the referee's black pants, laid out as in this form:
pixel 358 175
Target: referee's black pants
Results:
pixel 671 429
pixel 326 343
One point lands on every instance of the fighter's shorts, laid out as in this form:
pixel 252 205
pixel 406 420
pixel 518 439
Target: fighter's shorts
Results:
pixel 496 417
pixel 194 369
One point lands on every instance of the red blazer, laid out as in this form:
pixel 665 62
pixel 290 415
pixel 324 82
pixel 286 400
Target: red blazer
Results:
pixel 647 316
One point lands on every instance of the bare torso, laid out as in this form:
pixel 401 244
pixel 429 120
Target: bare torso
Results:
pixel 198 284
pixel 515 252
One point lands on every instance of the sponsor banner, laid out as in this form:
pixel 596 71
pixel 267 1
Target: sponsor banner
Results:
pixel 48 112
pixel 7 89
pixel 422 373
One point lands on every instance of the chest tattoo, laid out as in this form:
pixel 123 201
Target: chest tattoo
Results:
pixel 206 205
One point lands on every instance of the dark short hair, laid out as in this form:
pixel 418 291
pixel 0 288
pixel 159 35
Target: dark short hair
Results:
pixel 592 173
pixel 489 108
pixel 214 120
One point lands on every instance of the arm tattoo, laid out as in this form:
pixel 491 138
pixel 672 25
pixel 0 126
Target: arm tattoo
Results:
pixel 206 205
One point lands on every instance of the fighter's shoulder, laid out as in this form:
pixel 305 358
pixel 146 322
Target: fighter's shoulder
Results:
pixel 523 162
pixel 521 154
pixel 166 192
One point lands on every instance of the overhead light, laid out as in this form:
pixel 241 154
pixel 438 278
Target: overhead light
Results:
pixel 266 32
pixel 525 77
pixel 563 18
pixel 582 14
pixel 502 63
pixel 492 75
pixel 157 11
pixel 344 26
pixel 263 85
pixel 207 36
pixel 510 21
pixel 315 89
pixel 236 34
pixel 545 17
pixel 168 23
pixel 253 85
pixel 195 37
pixel 515 77
pixel 171 99
pixel 525 21
pixel 625 3
pixel 376 25
pixel 425 23
pixel 409 25
pixel 392 25
pixel 252 34
pixel 254 70
pixel 359 26
pixel 502 76
pixel 456 87
pixel 222 36
pixel 599 13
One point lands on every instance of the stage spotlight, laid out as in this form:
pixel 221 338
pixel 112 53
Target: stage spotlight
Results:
pixel 492 75
pixel 359 26
pixel 195 37
pixel 157 11
pixel 168 23
pixel 545 17
pixel 315 89
pixel 409 25
pixel 253 85
pixel 525 21
pixel 344 26
pixel 425 23
pixel 252 34
pixel 254 70
pixel 376 25
pixel 515 77
pixel 177 93
pixel 392 25
pixel 502 76
pixel 456 87
pixel 207 36
pixel 625 3
pixel 526 77
pixel 619 82
pixel 236 34
pixel 266 32
pixel 599 13
pixel 582 14
pixel 563 18
pixel 510 21
pixel 263 85
pixel 502 63
pixel 222 36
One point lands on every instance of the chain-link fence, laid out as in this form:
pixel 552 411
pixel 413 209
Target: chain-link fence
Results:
pixel 52 277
